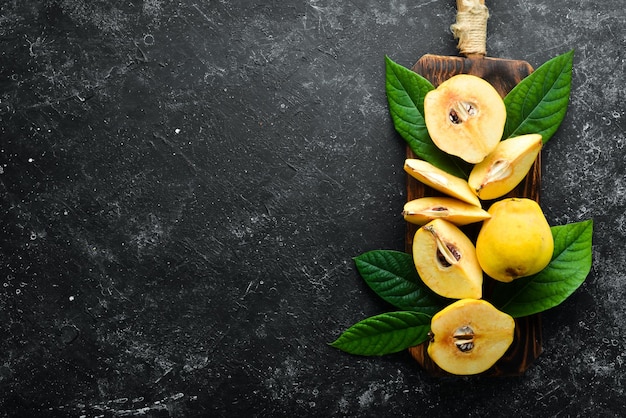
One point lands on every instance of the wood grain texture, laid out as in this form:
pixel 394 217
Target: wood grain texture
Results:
pixel 503 74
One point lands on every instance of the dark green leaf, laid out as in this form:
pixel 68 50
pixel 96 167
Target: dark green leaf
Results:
pixel 392 275
pixel 539 102
pixel 405 93
pixel 570 265
pixel 385 334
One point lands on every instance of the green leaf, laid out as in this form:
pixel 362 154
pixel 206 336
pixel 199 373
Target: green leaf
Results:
pixel 392 275
pixel 405 93
pixel 539 102
pixel 385 334
pixel 570 265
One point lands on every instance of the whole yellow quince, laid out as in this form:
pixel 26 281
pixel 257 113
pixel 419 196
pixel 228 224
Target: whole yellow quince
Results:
pixel 516 241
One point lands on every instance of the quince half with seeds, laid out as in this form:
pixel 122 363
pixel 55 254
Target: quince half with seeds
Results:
pixel 469 336
pixel 425 209
pixel 465 117
pixel 516 241
pixel 445 260
pixel 505 167
pixel 440 180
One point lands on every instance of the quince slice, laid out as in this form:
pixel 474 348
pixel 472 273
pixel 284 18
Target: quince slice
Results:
pixel 505 167
pixel 440 180
pixel 465 117
pixel 445 260
pixel 425 209
pixel 469 336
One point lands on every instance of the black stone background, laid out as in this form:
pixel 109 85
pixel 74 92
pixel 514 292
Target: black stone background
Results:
pixel 183 185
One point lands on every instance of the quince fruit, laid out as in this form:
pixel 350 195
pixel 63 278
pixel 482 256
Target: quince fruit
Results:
pixel 469 336
pixel 446 261
pixel 425 209
pixel 440 180
pixel 516 241
pixel 505 167
pixel 465 117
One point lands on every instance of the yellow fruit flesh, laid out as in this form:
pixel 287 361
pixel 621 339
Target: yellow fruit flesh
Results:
pixel 505 167
pixel 470 336
pixel 465 117
pixel 423 210
pixel 445 260
pixel 516 241
pixel 440 180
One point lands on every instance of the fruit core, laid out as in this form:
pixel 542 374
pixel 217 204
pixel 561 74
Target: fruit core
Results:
pixel 464 338
pixel 462 111
pixel 447 254
pixel 438 211
pixel 500 169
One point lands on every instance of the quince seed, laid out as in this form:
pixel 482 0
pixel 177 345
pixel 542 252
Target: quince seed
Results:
pixel 464 338
pixel 454 117
pixel 464 346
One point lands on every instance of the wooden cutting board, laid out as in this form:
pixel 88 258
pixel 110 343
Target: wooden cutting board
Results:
pixel 503 74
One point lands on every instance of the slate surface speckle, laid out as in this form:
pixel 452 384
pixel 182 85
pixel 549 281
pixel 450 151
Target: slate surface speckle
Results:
pixel 183 186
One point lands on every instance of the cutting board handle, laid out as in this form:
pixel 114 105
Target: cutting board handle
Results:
pixel 471 27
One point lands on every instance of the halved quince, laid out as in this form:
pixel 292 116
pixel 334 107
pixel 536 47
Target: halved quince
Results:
pixel 425 209
pixel 516 241
pixel 465 117
pixel 440 180
pixel 469 336
pixel 445 260
pixel 505 167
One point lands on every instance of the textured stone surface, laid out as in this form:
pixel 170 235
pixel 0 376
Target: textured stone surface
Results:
pixel 183 186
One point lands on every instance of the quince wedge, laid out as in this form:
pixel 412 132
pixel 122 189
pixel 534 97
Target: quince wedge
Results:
pixel 516 241
pixel 445 259
pixel 425 209
pixel 469 336
pixel 440 180
pixel 505 167
pixel 465 117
